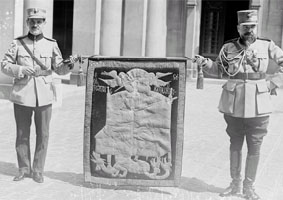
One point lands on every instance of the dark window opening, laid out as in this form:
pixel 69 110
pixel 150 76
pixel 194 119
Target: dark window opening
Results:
pixel 218 24
pixel 63 25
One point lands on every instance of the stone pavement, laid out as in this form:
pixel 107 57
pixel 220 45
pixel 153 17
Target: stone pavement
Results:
pixel 205 155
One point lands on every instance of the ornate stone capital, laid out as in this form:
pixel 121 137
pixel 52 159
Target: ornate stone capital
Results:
pixel 191 3
pixel 255 4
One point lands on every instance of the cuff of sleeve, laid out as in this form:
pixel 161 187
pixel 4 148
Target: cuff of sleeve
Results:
pixel 208 63
pixel 273 85
pixel 277 79
pixel 71 66
pixel 20 73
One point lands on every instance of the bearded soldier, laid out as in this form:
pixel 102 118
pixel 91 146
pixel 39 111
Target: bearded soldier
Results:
pixel 245 100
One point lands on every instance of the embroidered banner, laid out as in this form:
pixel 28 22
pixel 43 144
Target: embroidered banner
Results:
pixel 134 120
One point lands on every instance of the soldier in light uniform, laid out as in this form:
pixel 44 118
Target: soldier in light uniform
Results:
pixel 31 60
pixel 245 99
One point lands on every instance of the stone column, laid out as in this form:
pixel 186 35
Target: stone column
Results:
pixel 255 5
pixel 110 33
pixel 86 32
pixel 156 32
pixel 282 31
pixel 192 34
pixel 133 28
pixel 44 4
pixel 86 27
pixel 7 30
pixel 19 18
pixel 176 27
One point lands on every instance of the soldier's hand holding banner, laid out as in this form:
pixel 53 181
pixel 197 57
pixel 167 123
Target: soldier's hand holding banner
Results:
pixel 72 60
pixel 201 61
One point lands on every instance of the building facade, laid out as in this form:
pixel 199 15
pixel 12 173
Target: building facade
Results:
pixel 154 28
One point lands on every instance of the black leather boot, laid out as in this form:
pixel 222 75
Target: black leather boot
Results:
pixel 249 191
pixel 233 190
pixel 250 174
pixel 21 176
pixel 235 171
pixel 38 177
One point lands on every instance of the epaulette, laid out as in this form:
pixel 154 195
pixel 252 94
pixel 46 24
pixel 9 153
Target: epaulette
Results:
pixel 21 37
pixel 231 41
pixel 50 39
pixel 266 39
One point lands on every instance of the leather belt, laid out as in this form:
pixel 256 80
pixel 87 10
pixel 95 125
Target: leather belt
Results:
pixel 249 76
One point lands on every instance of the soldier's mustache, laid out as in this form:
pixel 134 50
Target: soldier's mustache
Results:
pixel 249 34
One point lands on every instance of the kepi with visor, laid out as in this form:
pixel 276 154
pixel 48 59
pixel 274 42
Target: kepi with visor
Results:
pixel 247 17
pixel 36 13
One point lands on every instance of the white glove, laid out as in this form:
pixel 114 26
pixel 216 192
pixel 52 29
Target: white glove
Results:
pixel 200 60
pixel 273 88
pixel 27 70
pixel 72 59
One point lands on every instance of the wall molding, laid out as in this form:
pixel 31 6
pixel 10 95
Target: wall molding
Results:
pixel 191 3
pixel 255 4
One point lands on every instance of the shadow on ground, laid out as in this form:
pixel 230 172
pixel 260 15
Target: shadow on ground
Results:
pixel 196 185
pixel 8 169
pixel 189 184
pixel 78 180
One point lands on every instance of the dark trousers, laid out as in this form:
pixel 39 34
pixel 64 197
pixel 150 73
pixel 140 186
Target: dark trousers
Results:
pixel 23 117
pixel 253 129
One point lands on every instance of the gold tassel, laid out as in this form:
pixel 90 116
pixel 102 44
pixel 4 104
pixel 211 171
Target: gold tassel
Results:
pixel 200 78
pixel 81 78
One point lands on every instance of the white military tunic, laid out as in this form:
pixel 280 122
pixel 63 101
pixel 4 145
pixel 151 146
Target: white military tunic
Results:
pixel 36 90
pixel 246 98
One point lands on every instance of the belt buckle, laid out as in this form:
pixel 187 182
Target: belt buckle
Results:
pixel 245 76
pixel 36 73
